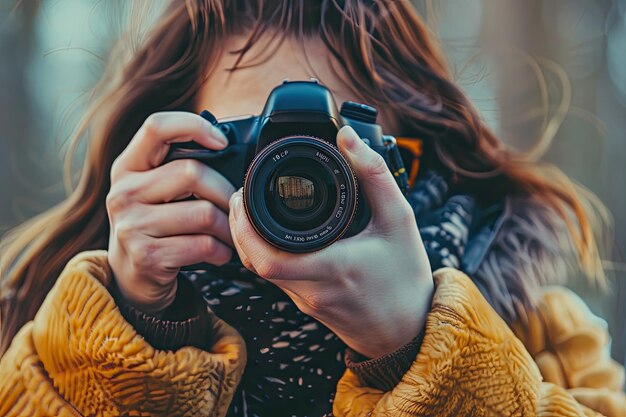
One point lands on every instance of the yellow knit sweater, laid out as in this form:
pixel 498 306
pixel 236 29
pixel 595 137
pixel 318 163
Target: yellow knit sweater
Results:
pixel 78 357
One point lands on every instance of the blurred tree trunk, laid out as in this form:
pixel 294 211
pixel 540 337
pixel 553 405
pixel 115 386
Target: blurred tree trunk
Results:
pixel 511 30
pixel 16 40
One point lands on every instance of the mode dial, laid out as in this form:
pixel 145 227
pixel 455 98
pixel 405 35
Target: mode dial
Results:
pixel 358 111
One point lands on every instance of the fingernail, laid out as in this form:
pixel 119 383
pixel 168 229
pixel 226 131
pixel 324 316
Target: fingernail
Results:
pixel 217 133
pixel 351 139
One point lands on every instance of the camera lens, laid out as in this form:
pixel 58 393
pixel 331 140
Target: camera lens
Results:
pixel 300 193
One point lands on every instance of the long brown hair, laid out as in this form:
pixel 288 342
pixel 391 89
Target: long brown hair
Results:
pixel 387 57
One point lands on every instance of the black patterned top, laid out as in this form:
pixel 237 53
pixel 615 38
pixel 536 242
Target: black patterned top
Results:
pixel 295 362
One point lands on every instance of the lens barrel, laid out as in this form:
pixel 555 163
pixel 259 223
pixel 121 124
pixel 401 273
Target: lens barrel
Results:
pixel 300 193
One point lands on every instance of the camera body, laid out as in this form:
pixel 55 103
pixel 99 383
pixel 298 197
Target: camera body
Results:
pixel 300 192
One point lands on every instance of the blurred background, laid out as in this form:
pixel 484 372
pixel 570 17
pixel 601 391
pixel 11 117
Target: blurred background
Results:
pixel 549 76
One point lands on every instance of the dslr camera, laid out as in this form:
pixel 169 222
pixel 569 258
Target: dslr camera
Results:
pixel 299 191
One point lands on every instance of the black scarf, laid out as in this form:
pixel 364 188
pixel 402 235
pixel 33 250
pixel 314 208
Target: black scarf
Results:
pixel 294 362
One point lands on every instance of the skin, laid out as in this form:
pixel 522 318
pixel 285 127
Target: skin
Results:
pixel 373 290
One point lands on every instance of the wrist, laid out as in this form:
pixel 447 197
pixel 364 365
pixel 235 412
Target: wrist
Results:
pixel 373 346
pixel 399 328
pixel 153 303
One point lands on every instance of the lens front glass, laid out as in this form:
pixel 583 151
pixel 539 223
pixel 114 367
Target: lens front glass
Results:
pixel 300 194
pixel 296 193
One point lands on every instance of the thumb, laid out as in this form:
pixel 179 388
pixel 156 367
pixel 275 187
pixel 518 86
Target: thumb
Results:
pixel 375 180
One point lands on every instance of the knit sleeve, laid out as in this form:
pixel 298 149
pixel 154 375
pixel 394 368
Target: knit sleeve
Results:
pixel 80 357
pixel 385 372
pixel 469 363
pixel 183 323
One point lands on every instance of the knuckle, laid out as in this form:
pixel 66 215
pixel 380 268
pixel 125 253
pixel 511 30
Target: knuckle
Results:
pixel 315 303
pixel 192 170
pixel 377 165
pixel 206 215
pixel 118 200
pixel 208 245
pixel 114 202
pixel 152 123
pixel 268 269
pixel 124 232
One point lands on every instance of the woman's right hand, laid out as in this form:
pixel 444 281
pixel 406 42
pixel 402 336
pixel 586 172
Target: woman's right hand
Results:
pixel 152 234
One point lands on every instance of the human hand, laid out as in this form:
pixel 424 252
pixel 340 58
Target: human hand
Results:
pixel 151 233
pixel 372 290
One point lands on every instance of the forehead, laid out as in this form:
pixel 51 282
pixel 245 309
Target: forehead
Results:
pixel 229 93
pixel 265 66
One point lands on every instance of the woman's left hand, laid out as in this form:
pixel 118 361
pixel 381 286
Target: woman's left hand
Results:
pixel 372 290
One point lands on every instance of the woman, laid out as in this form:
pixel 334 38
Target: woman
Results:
pixel 100 322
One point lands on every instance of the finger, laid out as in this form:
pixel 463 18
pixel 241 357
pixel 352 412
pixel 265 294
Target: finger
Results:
pixel 150 144
pixel 268 261
pixel 183 218
pixel 173 252
pixel 242 255
pixel 180 179
pixel 377 182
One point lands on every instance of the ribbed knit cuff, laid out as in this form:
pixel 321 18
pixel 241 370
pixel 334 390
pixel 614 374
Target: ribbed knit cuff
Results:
pixel 184 323
pixel 385 372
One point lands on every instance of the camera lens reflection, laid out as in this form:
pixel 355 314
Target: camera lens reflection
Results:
pixel 296 193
